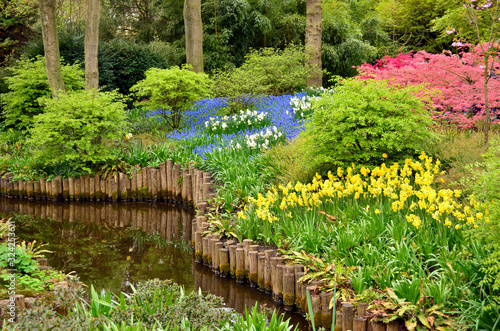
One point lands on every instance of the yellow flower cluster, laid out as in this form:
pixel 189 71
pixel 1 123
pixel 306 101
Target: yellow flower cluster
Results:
pixel 408 190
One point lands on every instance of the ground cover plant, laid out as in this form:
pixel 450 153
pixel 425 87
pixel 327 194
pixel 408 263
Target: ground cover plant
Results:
pixel 153 305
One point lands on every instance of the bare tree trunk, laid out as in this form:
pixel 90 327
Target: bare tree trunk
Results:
pixel 314 29
pixel 194 34
pixel 91 45
pixel 51 46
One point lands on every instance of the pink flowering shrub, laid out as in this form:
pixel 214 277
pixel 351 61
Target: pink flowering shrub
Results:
pixel 459 80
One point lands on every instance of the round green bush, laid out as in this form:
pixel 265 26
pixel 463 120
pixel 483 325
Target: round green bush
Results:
pixel 76 126
pixel 367 122
pixel 28 85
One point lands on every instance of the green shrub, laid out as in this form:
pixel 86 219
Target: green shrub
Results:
pixel 487 189
pixel 76 126
pixel 172 90
pixel 28 84
pixel 267 71
pixel 367 122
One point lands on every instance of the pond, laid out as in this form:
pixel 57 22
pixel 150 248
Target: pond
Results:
pixel 114 245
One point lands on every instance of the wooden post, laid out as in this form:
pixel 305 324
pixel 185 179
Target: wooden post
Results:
pixel 57 188
pixel 71 188
pixel 392 326
pixel 97 188
pixel 218 246
pixel 278 284
pixel 376 326
pixel 253 268
pixel 114 192
pixel 65 187
pixel 241 272
pixel 189 189
pixel 362 309
pixel 133 185
pixel 224 262
pixel 43 188
pixel 338 321
pixel 232 261
pixel 145 183
pixel 154 183
pixel 315 303
pixel 267 270
pixel 206 253
pixel 30 189
pixel 246 245
pixel 198 247
pixel 359 324
pixel 288 290
pixel 177 182
pixel 122 186
pixel 326 312
pixel 104 189
pixel 262 271
pixel 36 189
pixel 170 181
pixel 86 191
pixel 163 181
pixel 92 188
pixel 78 189
pixel 347 316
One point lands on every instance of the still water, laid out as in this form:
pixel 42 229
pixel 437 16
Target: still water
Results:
pixel 113 245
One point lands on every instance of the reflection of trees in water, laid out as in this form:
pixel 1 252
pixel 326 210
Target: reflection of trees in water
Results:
pixel 109 256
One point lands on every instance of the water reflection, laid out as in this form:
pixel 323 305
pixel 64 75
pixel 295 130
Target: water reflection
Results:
pixel 114 245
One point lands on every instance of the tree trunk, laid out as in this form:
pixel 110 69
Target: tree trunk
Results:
pixel 91 45
pixel 314 28
pixel 51 46
pixel 194 34
pixel 486 105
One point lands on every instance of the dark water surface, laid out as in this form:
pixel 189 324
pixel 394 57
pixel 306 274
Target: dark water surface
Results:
pixel 113 245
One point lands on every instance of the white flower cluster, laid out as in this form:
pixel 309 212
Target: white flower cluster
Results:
pixel 300 105
pixel 247 117
pixel 262 139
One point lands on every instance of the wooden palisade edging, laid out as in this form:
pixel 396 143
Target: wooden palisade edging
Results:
pixel 167 183
pixel 263 268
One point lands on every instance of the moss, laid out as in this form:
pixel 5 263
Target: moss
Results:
pixel 318 317
pixel 269 287
pixel 205 259
pixel 262 287
pixel 224 269
pixel 241 275
pixel 198 256
pixel 233 272
pixel 253 278
pixel 288 299
pixel 326 320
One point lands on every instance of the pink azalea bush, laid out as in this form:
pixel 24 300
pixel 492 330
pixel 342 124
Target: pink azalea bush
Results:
pixel 457 79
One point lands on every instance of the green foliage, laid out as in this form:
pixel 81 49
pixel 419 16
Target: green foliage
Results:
pixel 257 321
pixel 409 22
pixel 365 119
pixel 175 88
pixel 267 71
pixel 487 189
pixel 122 63
pixel 351 35
pixel 24 262
pixel 76 126
pixel 28 85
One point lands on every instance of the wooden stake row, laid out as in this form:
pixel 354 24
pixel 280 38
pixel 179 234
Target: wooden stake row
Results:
pixel 266 271
pixel 167 183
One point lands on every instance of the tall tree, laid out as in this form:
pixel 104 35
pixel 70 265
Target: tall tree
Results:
pixel 194 34
pixel 91 45
pixel 51 46
pixel 314 29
